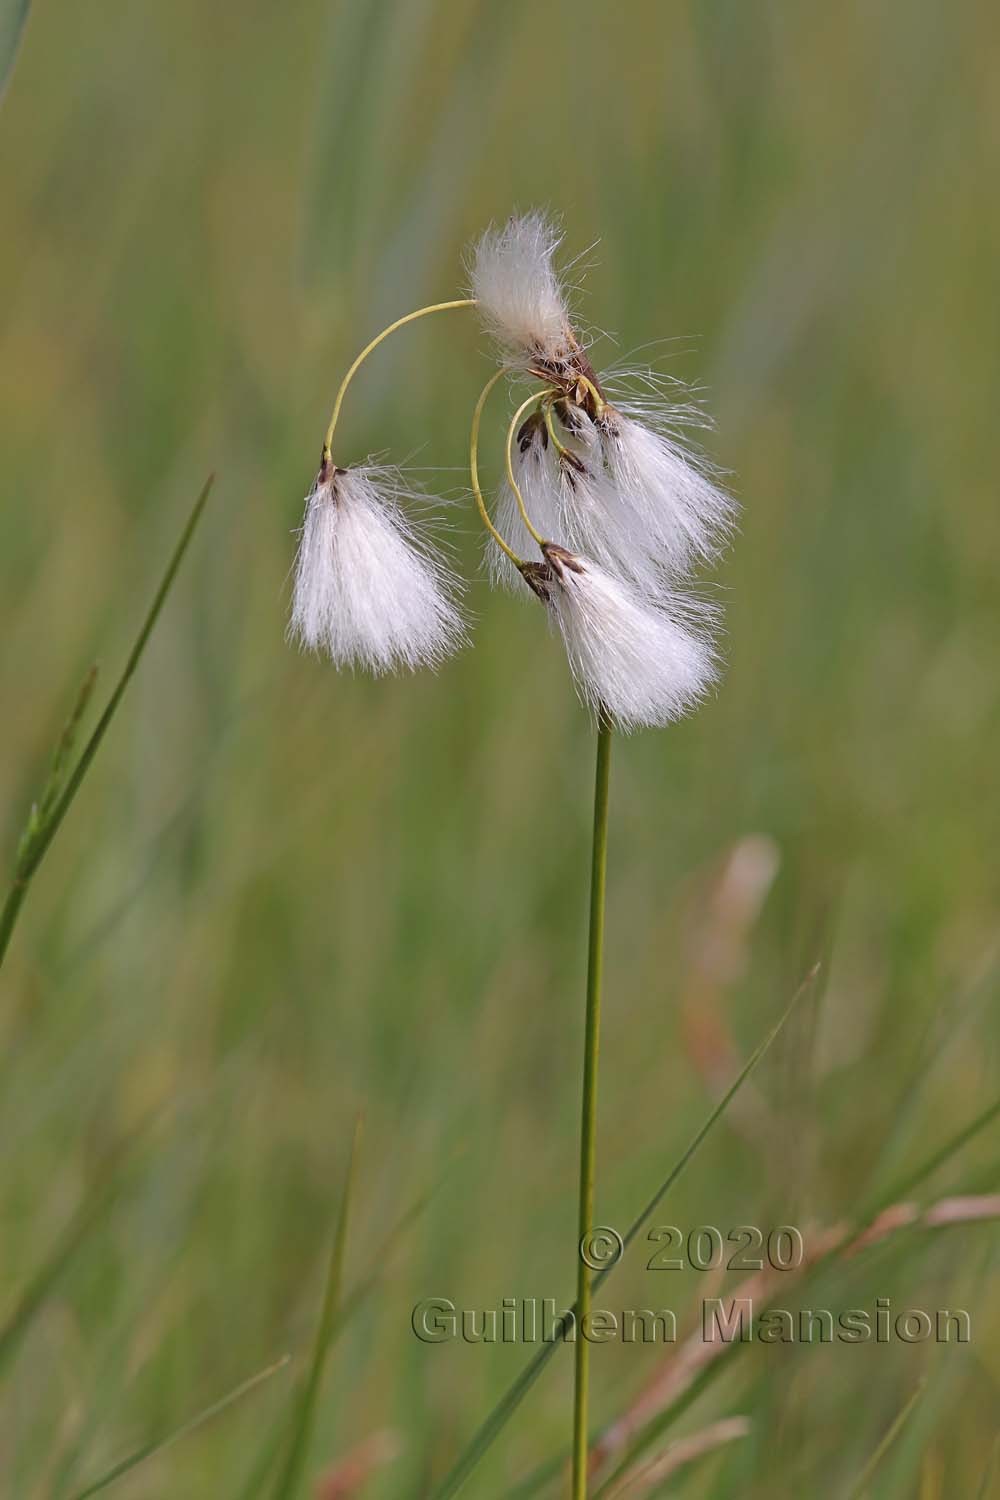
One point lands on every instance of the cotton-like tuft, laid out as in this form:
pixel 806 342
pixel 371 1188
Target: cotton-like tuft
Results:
pixel 572 500
pixel 519 293
pixel 565 497
pixel 366 591
pixel 660 500
pixel 644 665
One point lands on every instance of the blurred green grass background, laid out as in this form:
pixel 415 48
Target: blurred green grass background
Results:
pixel 285 895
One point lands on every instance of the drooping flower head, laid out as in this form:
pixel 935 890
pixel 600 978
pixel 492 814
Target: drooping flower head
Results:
pixel 368 591
pixel 640 662
pixel 602 490
pixel 606 490
pixel 625 488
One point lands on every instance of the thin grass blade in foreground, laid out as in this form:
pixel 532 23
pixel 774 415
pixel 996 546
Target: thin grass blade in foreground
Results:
pixel 42 811
pixel 48 817
pixel 290 1477
pixel 501 1414
pixel 868 1231
pixel 860 1486
pixel 267 1456
pixel 689 1384
pixel 149 1450
pixel 903 1186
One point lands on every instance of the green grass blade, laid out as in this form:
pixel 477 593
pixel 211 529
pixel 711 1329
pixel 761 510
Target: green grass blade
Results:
pixel 150 1449
pixel 34 848
pixel 364 1288
pixel 75 1234
pixel 13 14
pixel 267 1457
pixel 42 809
pixel 860 1485
pixel 896 1193
pixel 290 1477
pixel 903 1186
pixel 544 1473
pixel 64 748
pixel 501 1414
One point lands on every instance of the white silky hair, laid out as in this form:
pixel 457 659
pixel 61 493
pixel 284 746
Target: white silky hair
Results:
pixel 367 591
pixel 566 505
pixel 661 500
pixel 575 503
pixel 521 299
pixel 644 665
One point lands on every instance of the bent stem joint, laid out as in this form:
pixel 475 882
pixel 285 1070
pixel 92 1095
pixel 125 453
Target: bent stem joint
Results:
pixel 411 317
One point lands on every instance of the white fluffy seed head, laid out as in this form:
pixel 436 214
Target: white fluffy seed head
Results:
pixel 521 299
pixel 366 590
pixel 661 501
pixel 567 502
pixel 641 663
pixel 573 500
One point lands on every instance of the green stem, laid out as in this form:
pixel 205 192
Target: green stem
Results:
pixel 515 420
pixel 588 1118
pixel 477 493
pixel 411 317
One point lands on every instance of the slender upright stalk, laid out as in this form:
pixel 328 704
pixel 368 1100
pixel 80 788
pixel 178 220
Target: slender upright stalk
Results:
pixel 588 1117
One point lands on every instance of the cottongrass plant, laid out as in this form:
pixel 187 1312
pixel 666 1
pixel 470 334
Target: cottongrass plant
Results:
pixel 366 590
pixel 602 517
